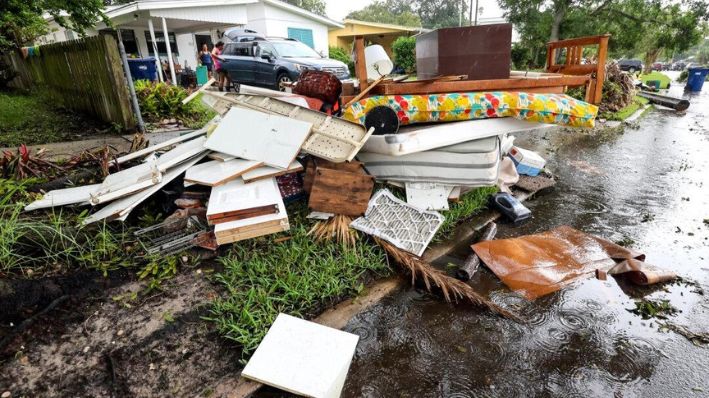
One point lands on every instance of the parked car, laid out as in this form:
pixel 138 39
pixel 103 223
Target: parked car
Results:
pixel 659 66
pixel 270 62
pixel 630 65
pixel 679 65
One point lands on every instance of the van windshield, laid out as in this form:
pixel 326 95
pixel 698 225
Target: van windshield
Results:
pixel 294 49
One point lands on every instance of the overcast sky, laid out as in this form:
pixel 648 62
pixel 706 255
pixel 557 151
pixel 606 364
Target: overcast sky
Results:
pixel 338 9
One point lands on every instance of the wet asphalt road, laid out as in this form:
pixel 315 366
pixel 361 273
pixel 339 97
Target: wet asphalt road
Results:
pixel 648 185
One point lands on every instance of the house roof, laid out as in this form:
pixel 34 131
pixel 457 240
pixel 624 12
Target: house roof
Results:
pixel 143 5
pixel 386 25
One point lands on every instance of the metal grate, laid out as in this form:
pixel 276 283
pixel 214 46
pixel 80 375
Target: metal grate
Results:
pixel 399 223
pixel 173 236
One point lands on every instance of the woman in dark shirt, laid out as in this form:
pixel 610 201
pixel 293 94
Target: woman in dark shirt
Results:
pixel 205 58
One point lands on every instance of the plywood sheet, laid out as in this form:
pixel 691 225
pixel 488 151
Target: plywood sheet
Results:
pixel 268 171
pixel 237 195
pixel 217 172
pixel 340 192
pixel 249 134
pixel 303 358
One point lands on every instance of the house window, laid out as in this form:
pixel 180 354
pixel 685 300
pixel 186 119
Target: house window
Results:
pixel 129 42
pixel 160 41
pixel 304 36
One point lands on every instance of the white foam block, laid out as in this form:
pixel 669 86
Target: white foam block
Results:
pixel 303 358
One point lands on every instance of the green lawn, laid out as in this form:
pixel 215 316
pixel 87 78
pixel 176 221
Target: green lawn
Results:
pixel 30 119
pixel 626 112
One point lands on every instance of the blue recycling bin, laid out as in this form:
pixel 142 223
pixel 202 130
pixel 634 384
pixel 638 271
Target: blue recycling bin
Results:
pixel 695 78
pixel 143 68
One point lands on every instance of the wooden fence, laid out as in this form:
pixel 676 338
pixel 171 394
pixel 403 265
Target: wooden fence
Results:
pixel 85 75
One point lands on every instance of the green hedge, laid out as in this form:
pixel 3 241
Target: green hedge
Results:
pixel 405 53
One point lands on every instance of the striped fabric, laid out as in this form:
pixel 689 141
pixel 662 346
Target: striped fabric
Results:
pixel 470 164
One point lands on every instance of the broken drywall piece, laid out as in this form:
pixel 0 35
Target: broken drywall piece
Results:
pixel 268 171
pixel 406 227
pixel 237 200
pixel 427 196
pixel 63 197
pixel 303 358
pixel 217 172
pixel 249 134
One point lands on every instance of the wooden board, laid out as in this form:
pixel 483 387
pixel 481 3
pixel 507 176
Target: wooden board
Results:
pixel 512 84
pixel 268 172
pixel 352 167
pixel 216 172
pixel 225 239
pixel 272 139
pixel 221 156
pixel 236 196
pixel 340 192
pixel 241 214
pixel 248 229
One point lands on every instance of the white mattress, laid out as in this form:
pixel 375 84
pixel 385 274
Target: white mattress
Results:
pixel 418 138
pixel 470 164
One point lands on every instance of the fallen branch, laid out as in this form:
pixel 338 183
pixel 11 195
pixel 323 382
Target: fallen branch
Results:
pixel 452 289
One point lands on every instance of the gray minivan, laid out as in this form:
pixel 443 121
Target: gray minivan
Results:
pixel 270 62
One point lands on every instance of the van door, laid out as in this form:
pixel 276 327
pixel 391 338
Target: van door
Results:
pixel 239 62
pixel 265 68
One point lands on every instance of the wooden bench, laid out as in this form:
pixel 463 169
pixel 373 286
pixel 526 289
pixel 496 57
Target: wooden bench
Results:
pixel 570 54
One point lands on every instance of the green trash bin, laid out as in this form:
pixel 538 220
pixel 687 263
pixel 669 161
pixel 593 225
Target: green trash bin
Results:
pixel 202 75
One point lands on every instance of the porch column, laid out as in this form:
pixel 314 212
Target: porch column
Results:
pixel 169 51
pixel 155 49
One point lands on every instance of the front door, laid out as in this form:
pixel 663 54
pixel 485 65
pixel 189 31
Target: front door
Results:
pixel 203 39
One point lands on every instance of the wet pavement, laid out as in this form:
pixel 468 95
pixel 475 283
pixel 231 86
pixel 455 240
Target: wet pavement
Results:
pixel 647 186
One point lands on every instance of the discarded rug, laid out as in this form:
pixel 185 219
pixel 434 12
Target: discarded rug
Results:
pixel 536 265
pixel 398 223
pixel 542 108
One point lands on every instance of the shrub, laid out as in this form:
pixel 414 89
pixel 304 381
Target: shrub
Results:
pixel 342 55
pixel 521 56
pixel 405 53
pixel 159 100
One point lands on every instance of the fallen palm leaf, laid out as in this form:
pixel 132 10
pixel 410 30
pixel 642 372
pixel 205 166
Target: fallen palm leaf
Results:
pixel 336 228
pixel 452 289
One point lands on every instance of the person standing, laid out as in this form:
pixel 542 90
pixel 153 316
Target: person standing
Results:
pixel 222 75
pixel 205 58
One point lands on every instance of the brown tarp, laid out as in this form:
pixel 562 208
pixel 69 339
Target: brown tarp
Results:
pixel 536 265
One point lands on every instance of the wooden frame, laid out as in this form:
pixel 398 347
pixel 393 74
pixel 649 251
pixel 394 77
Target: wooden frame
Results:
pixel 572 64
pixel 570 74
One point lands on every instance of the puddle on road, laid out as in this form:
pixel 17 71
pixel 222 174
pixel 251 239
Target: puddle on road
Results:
pixel 648 186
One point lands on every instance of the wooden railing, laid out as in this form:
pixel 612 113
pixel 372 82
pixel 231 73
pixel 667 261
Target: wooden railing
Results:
pixel 572 63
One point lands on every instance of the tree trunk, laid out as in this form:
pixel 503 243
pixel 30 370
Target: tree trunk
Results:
pixel 650 58
pixel 560 8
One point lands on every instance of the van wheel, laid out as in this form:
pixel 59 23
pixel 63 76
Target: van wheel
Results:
pixel 631 70
pixel 282 78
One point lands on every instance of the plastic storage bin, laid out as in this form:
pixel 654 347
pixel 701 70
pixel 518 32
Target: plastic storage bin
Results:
pixel 526 161
pixel 143 68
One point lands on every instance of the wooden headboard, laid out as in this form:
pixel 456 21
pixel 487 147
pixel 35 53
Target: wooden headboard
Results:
pixel 572 65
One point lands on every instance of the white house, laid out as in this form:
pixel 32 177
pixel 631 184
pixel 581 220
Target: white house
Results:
pixel 145 25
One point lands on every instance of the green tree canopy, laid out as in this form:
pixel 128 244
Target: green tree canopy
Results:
pixel 21 21
pixel 316 6
pixel 396 12
pixel 426 13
